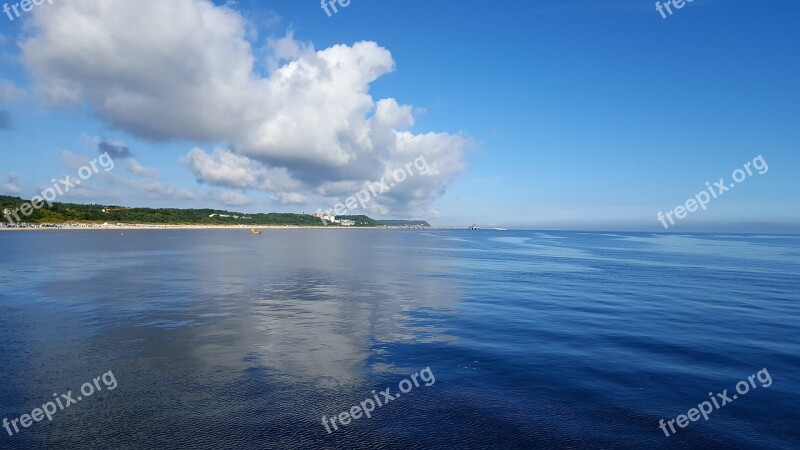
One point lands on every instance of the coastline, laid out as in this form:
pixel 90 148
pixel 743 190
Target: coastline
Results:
pixel 153 227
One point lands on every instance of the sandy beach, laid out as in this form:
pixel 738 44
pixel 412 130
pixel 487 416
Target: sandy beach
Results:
pixel 211 227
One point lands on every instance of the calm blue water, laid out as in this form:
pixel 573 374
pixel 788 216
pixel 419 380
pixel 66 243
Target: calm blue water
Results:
pixel 219 339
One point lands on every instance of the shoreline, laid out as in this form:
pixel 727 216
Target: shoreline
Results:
pixel 152 227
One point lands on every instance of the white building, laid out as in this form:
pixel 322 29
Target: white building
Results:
pixel 326 217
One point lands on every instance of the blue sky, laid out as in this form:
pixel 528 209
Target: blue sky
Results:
pixel 567 114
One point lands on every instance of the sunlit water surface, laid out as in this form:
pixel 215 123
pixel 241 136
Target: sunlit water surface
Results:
pixel 219 339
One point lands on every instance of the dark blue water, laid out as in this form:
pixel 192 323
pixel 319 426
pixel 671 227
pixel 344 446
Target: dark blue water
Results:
pixel 219 339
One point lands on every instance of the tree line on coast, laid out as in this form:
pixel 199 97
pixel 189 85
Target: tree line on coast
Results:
pixel 79 213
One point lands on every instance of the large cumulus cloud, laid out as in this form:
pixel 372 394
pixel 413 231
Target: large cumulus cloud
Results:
pixel 308 130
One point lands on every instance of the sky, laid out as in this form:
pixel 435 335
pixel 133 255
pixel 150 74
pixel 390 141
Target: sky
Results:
pixel 545 114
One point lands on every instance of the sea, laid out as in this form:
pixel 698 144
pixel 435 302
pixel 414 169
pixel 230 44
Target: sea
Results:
pixel 449 339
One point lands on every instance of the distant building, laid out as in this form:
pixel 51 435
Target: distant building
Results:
pixel 326 217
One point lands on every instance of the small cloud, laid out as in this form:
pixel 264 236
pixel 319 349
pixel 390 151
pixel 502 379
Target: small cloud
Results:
pixel 292 198
pixel 221 168
pixel 117 150
pixel 135 168
pixel 149 188
pixel 225 168
pixel 285 49
pixel 72 160
pixel 271 19
pixel 9 91
pixel 231 198
pixel 158 189
pixel 11 187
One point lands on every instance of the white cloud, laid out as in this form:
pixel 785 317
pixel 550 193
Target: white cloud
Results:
pixel 284 49
pixel 292 198
pixel 135 168
pixel 231 198
pixel 182 74
pixel 146 187
pixel 152 188
pixel 9 91
pixel 11 186
pixel 227 169
pixel 311 123
pixel 221 168
pixel 73 161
